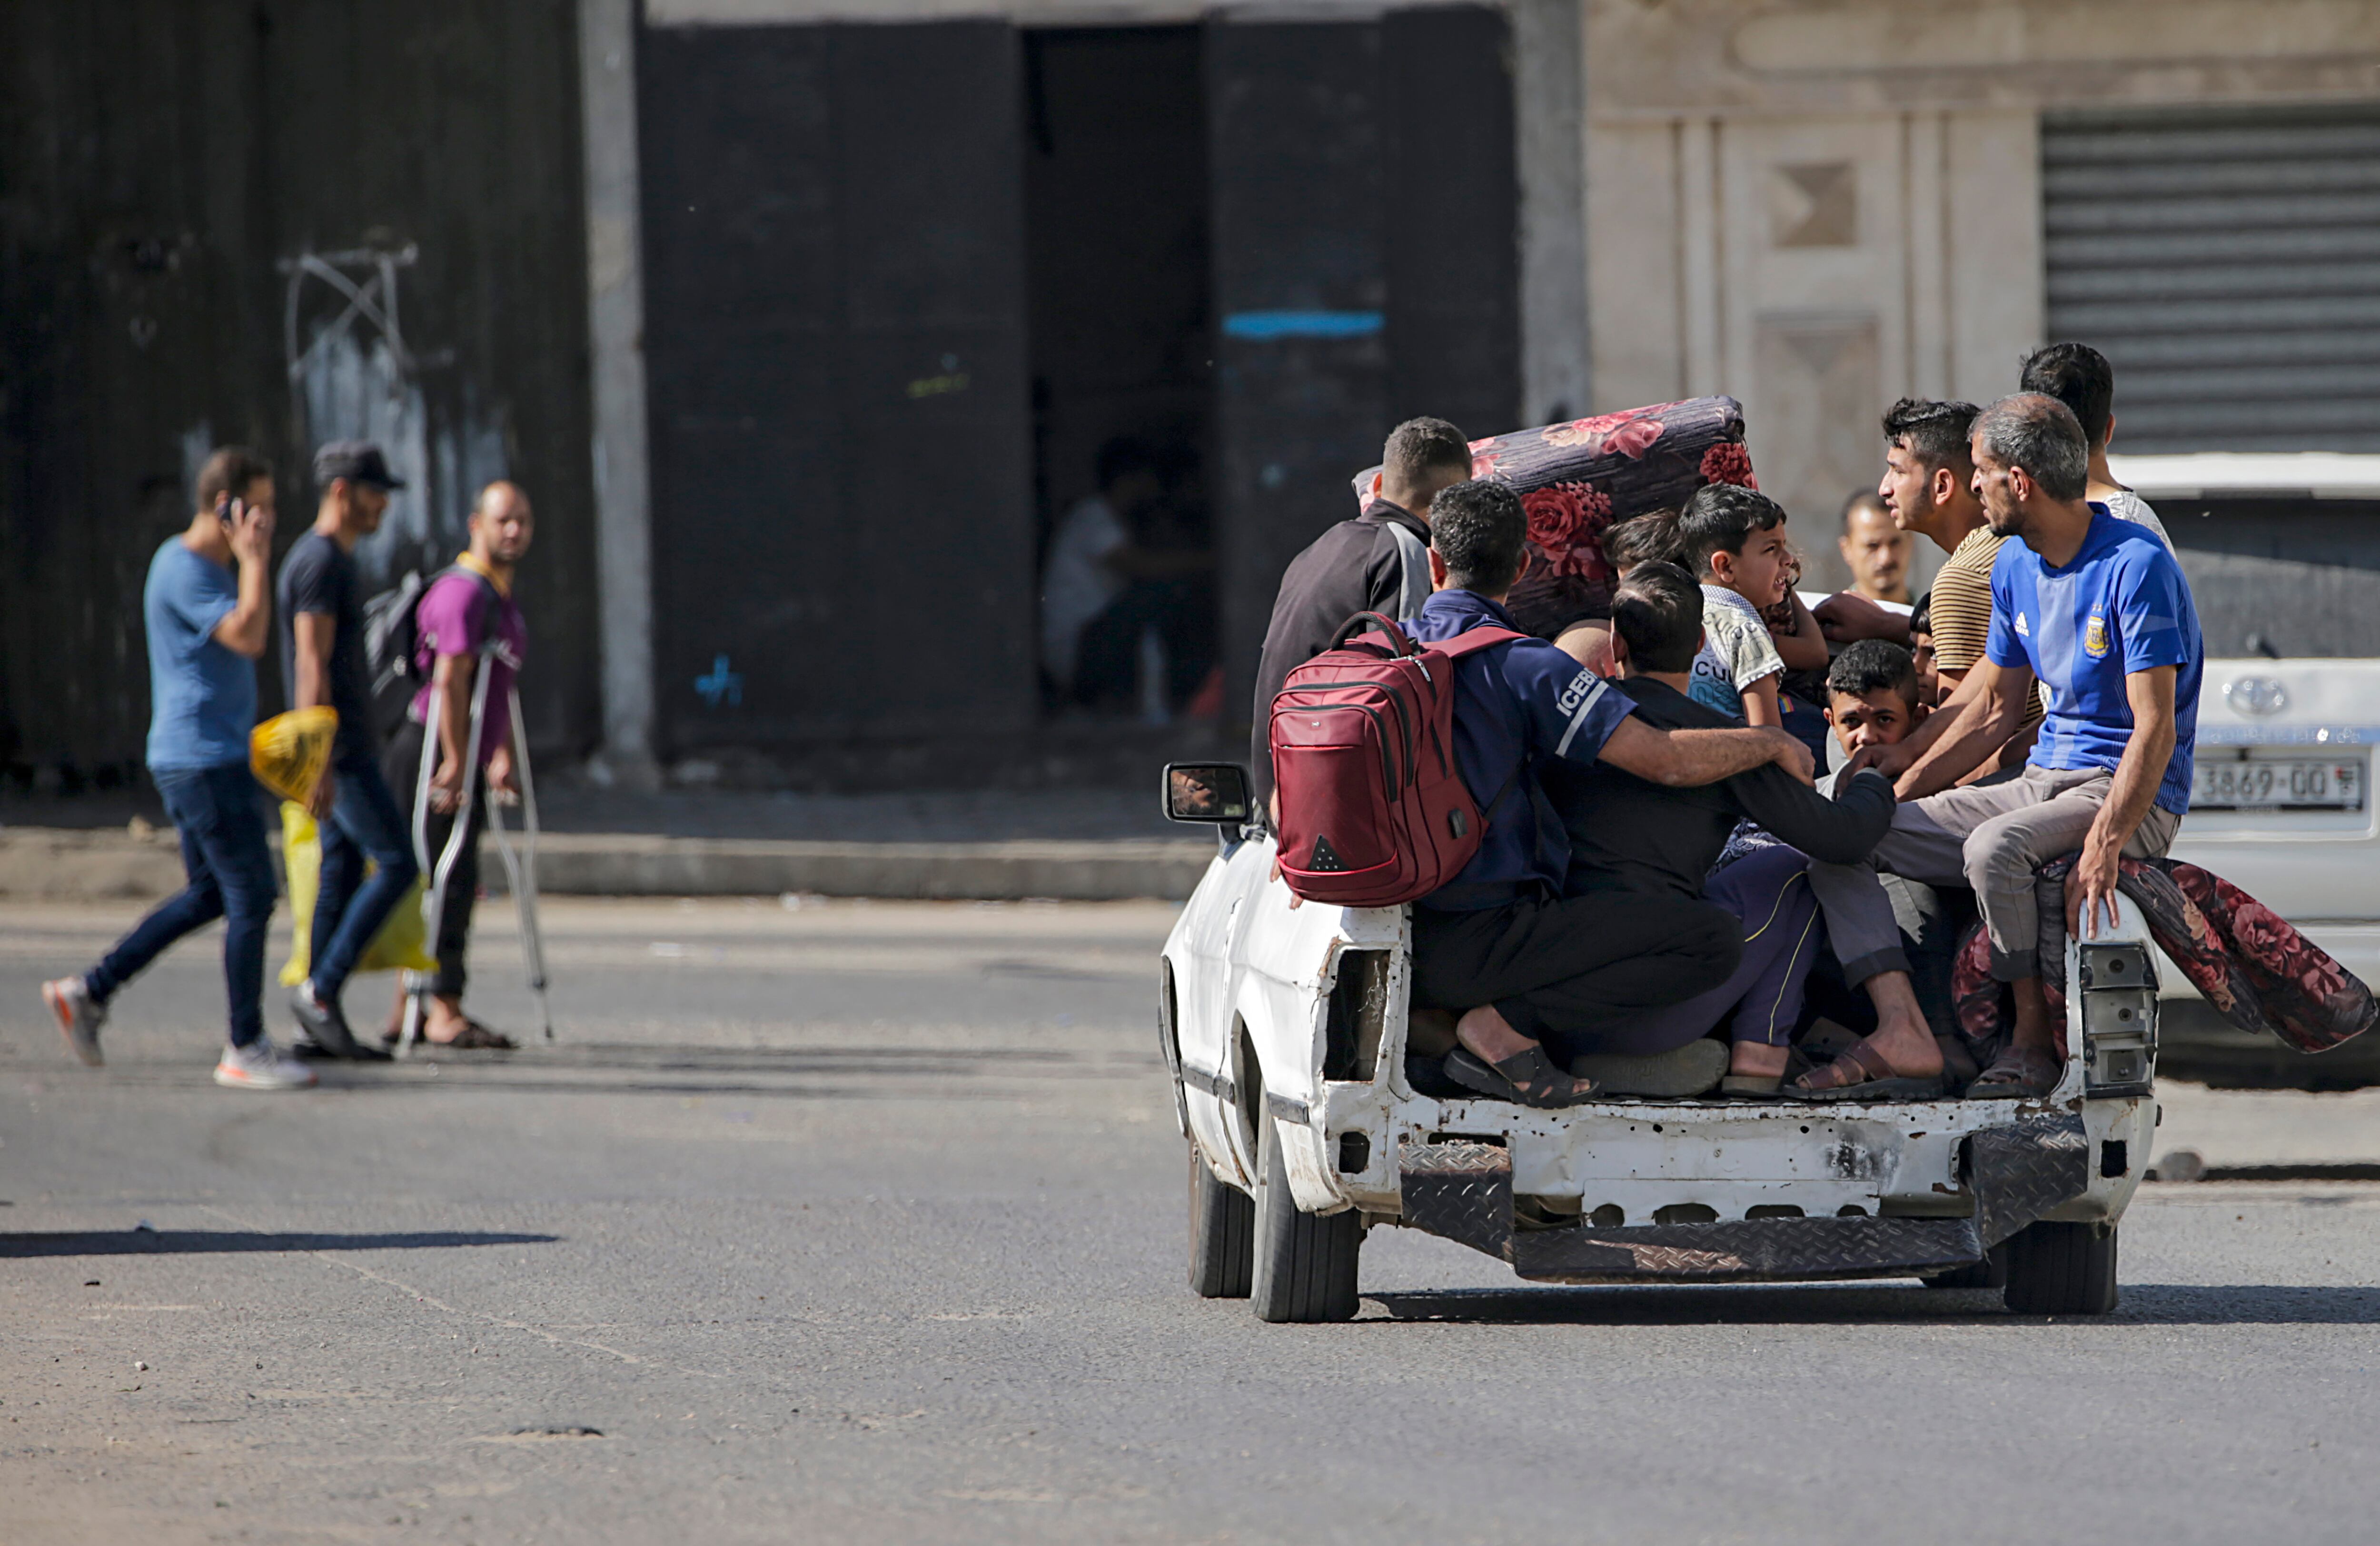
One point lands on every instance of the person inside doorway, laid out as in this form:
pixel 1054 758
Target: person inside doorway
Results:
pixel 1128 564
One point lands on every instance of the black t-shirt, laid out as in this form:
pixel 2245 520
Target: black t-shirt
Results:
pixel 1629 835
pixel 320 576
pixel 1352 567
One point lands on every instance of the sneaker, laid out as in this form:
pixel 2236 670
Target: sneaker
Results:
pixel 80 1015
pixel 325 1026
pixel 260 1065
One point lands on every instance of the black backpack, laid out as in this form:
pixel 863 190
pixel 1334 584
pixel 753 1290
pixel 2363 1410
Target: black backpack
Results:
pixel 393 643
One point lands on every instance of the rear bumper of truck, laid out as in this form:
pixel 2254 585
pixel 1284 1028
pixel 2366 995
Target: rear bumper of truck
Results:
pixel 1879 1198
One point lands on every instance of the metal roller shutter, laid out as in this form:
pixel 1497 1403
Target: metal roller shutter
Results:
pixel 2228 261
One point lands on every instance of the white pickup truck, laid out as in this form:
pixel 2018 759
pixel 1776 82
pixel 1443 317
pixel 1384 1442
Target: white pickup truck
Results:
pixel 1283 1027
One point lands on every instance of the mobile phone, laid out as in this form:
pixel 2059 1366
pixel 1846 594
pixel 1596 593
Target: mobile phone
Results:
pixel 228 511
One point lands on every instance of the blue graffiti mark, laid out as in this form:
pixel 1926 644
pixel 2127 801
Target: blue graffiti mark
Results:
pixel 1302 324
pixel 722 685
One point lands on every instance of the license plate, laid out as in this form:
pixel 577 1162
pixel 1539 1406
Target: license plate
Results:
pixel 2279 783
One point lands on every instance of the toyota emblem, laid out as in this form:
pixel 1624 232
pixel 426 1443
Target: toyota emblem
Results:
pixel 2258 696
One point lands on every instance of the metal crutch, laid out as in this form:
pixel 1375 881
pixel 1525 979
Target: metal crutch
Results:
pixel 418 984
pixel 520 872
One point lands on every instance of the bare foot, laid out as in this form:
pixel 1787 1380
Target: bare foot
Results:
pixel 1489 1035
pixel 1902 1035
pixel 1758 1060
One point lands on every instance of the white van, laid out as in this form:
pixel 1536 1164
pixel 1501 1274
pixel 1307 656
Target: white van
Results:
pixel 2283 555
pixel 1283 1027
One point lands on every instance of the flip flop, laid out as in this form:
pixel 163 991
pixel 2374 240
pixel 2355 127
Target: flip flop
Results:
pixel 1865 1076
pixel 1752 1087
pixel 1547 1086
pixel 2018 1074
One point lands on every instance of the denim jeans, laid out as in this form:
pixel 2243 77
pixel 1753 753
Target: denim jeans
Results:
pixel 220 815
pixel 348 909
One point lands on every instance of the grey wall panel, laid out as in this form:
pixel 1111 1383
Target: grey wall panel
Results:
pixel 1300 284
pixel 159 164
pixel 1452 201
pixel 2228 261
pixel 834 322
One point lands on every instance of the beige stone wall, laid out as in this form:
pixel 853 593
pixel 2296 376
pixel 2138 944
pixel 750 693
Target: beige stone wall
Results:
pixel 1819 205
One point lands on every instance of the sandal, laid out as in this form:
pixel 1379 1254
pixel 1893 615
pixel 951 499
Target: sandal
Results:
pixel 473 1038
pixel 2018 1074
pixel 1525 1078
pixel 1861 1074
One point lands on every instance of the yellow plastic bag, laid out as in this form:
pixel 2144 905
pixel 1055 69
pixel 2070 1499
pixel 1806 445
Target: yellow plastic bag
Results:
pixel 401 945
pixel 288 752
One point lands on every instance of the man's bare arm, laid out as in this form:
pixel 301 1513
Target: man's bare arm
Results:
pixel 1973 732
pixel 1848 616
pixel 1899 758
pixel 2138 774
pixel 314 633
pixel 1682 758
pixel 1805 649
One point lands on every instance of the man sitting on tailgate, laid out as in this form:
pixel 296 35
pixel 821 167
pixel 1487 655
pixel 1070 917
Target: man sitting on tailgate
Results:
pixel 1499 945
pixel 1632 840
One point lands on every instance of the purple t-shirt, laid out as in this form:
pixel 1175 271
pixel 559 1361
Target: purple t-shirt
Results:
pixel 453 618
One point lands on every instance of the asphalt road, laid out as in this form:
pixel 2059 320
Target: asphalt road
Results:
pixel 865 1223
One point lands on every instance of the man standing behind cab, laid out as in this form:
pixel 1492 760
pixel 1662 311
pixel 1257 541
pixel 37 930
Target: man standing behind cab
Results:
pixel 322 654
pixel 467 614
pixel 205 630
pixel 1376 562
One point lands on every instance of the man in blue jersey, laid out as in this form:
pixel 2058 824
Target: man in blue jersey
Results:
pixel 2096 608
pixel 1499 947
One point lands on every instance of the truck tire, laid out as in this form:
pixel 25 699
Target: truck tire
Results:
pixel 2062 1268
pixel 1990 1272
pixel 1304 1262
pixel 1223 1235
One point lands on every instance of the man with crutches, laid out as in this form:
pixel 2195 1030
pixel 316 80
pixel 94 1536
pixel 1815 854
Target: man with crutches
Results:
pixel 460 752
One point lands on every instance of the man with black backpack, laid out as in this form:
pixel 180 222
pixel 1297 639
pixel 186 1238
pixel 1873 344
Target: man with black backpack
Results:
pixel 324 659
pixel 465 616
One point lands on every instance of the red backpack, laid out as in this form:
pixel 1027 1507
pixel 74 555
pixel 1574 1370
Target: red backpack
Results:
pixel 1374 811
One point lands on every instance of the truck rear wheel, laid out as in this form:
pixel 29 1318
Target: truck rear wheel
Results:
pixel 1223 1234
pixel 1304 1262
pixel 2062 1268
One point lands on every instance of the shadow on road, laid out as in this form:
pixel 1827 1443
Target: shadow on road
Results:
pixel 187 1242
pixel 1859 1304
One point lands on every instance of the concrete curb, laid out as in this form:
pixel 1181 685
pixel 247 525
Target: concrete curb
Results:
pixel 113 865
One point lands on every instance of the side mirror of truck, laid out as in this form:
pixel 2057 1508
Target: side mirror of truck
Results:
pixel 1210 792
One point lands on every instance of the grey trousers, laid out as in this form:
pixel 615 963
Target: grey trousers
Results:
pixel 1990 837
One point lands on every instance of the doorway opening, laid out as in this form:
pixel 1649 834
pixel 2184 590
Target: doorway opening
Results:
pixel 1116 250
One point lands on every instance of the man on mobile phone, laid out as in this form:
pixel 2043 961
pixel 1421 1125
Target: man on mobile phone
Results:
pixel 208 614
pixel 322 645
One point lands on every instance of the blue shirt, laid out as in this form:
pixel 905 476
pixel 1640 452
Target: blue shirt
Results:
pixel 2122 606
pixel 201 696
pixel 1513 704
